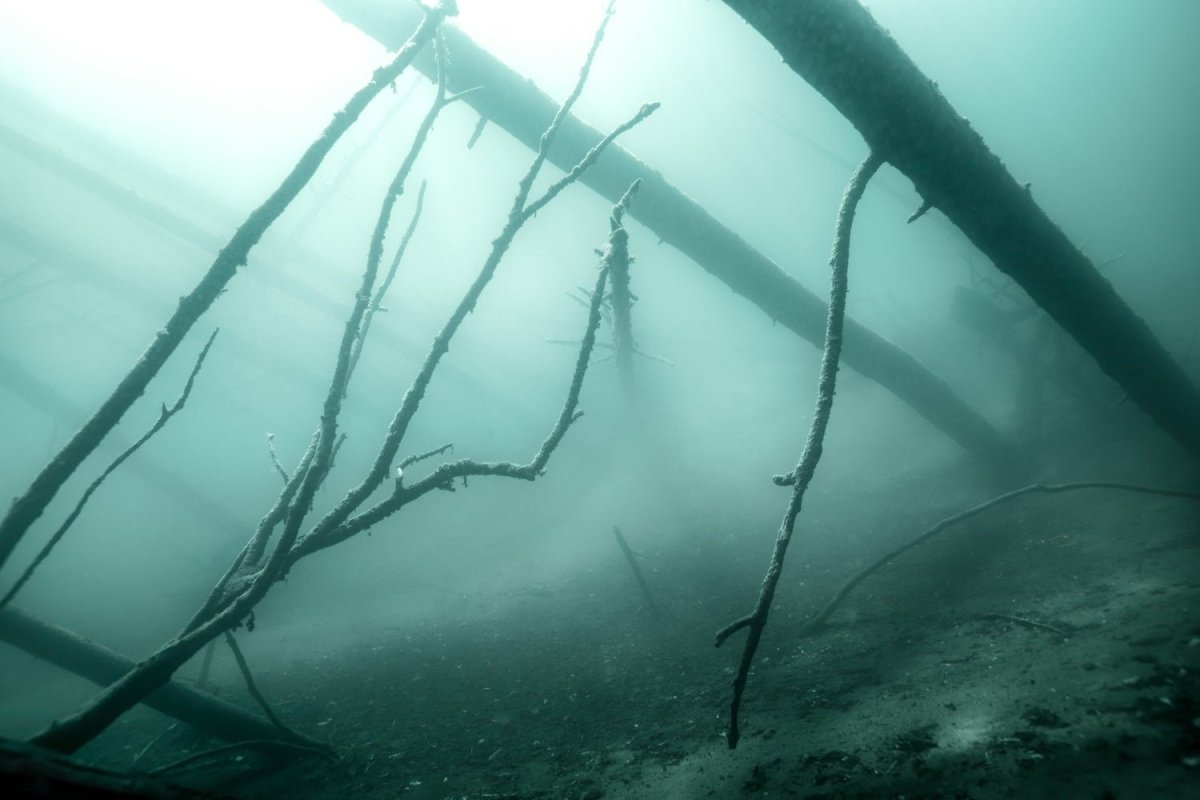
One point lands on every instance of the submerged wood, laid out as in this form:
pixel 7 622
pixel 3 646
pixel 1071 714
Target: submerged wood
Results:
pixel 838 48
pixel 102 666
pixel 28 506
pixel 217 517
pixel 515 104
pixel 631 557
pixel 31 772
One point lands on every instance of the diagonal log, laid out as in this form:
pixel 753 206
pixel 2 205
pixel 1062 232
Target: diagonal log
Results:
pixel 515 104
pixel 838 48
pixel 102 666
pixel 28 507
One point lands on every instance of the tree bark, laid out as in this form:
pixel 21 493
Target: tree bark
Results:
pixel 102 666
pixel 515 104
pixel 838 48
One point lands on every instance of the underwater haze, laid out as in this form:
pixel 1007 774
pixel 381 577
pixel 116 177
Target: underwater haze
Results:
pixel 449 523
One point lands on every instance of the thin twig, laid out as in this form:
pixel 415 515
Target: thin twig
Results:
pixel 573 343
pixel 261 744
pixel 821 616
pixel 1028 623
pixel 437 451
pixel 164 416
pixel 257 694
pixel 637 571
pixel 520 214
pixel 150 744
pixel 802 475
pixel 275 458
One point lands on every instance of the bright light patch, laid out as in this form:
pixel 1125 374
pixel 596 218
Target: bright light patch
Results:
pixel 965 731
pixel 226 50
pixel 536 37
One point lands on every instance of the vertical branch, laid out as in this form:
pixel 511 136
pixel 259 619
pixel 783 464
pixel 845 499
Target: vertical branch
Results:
pixel 799 478
pixel 617 257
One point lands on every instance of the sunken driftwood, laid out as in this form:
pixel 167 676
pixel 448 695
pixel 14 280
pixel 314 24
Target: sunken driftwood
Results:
pixel 631 557
pixel 819 619
pixel 513 103
pixel 29 505
pixel 102 666
pixel 802 475
pixel 287 534
pixel 838 48
pixel 156 472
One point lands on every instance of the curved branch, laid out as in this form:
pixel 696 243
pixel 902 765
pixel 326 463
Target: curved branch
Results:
pixel 802 475
pixel 818 620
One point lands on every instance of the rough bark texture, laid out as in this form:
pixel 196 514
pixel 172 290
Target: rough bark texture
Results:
pixel 837 47
pixel 102 666
pixel 515 104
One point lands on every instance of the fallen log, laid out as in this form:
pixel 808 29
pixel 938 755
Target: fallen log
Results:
pixel 516 105
pixel 102 666
pixel 838 48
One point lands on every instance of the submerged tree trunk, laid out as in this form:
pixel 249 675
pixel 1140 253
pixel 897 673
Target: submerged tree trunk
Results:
pixel 515 104
pixel 102 666
pixel 837 47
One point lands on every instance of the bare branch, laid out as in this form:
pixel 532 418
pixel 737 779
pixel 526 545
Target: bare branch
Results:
pixel 360 318
pixel 819 619
pixel 446 474
pixel 26 508
pixel 408 462
pixel 807 465
pixel 252 687
pixel 275 458
pixel 261 744
pixel 589 159
pixel 163 417
pixel 386 284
